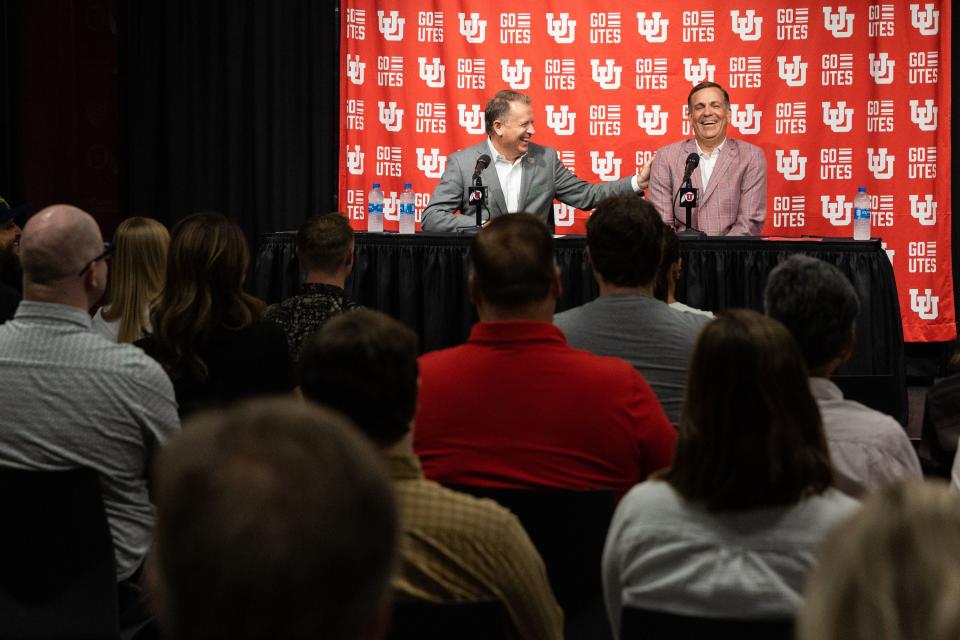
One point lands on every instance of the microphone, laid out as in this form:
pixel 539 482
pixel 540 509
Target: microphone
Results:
pixel 692 161
pixel 482 163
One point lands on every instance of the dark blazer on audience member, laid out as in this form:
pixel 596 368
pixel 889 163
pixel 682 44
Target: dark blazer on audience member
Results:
pixel 240 363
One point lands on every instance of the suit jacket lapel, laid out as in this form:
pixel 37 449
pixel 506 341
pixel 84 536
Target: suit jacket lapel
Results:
pixel 496 203
pixel 530 168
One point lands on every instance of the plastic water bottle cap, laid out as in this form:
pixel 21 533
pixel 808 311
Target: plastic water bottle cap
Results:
pixel 407 185
pixel 376 185
pixel 862 189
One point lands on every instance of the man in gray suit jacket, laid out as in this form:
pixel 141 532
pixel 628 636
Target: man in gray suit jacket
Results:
pixel 521 177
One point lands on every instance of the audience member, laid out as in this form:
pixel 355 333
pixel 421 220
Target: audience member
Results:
pixel 819 307
pixel 456 548
pixel 325 253
pixel 71 398
pixel 516 407
pixel 9 262
pixel 669 274
pixel 623 243
pixel 206 331
pixel 729 531
pixel 138 268
pixel 274 520
pixel 890 571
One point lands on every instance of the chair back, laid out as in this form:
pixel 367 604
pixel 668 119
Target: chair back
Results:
pixel 569 530
pixel 644 624
pixel 57 569
pixel 420 620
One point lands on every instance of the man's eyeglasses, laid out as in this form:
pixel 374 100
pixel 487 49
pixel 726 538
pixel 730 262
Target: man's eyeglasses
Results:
pixel 107 250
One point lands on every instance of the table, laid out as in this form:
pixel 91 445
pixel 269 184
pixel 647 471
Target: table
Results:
pixel 422 280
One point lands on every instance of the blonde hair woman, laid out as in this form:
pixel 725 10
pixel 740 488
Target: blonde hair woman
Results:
pixel 891 572
pixel 137 273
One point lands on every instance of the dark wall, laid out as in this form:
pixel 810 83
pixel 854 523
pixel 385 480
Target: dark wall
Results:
pixel 11 138
pixel 232 106
pixel 62 95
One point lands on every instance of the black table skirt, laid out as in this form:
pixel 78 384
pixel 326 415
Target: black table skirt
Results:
pixel 422 281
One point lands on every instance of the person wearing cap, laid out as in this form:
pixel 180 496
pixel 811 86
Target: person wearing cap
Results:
pixel 9 262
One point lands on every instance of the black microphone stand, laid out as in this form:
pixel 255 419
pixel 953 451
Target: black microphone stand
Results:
pixel 688 200
pixel 479 199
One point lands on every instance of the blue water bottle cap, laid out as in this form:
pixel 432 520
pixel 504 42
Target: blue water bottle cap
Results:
pixel 862 189
pixel 407 185
pixel 376 185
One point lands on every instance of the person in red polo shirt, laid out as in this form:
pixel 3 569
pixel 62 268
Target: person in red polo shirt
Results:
pixel 516 407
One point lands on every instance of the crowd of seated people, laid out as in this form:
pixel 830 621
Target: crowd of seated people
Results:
pixel 730 461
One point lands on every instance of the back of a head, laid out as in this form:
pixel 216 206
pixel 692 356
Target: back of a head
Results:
pixel 208 258
pixel 624 235
pixel 206 266
pixel 323 241
pixel 669 257
pixel 137 274
pixel 816 302
pixel 275 519
pixel 890 571
pixel 750 431
pixel 364 364
pixel 56 244
pixel 513 261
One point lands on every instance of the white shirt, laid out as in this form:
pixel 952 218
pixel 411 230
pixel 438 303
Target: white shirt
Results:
pixel 510 175
pixel 668 554
pixel 679 306
pixel 109 329
pixel 708 161
pixel 867 446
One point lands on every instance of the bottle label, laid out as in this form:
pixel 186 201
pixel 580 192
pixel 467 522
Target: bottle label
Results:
pixel 374 208
pixel 407 208
pixel 861 214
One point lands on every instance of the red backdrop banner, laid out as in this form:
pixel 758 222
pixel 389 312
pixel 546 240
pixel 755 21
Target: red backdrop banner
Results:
pixel 837 96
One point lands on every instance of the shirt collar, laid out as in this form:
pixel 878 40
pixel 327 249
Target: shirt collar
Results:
pixel 33 310
pixel 507 331
pixel 497 156
pixel 321 287
pixel 709 155
pixel 403 466
pixel 824 389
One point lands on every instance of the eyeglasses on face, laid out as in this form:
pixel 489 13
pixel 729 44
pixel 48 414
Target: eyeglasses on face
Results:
pixel 107 250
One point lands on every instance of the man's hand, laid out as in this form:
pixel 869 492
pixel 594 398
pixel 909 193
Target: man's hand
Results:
pixel 643 175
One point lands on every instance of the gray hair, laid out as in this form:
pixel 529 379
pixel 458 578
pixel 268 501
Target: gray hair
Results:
pixel 817 304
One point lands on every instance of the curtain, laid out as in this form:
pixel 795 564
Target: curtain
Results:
pixel 229 105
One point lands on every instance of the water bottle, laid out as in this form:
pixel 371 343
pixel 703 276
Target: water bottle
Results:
pixel 407 211
pixel 375 209
pixel 861 215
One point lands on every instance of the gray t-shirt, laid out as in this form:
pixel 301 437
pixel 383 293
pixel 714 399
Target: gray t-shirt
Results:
pixel 71 398
pixel 657 340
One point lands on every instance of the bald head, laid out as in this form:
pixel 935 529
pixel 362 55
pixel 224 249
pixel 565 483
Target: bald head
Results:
pixel 57 243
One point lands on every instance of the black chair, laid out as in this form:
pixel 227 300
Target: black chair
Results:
pixel 419 620
pixel 57 570
pixel 569 529
pixel 644 624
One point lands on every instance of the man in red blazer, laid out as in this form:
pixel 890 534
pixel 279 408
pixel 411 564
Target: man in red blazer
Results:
pixel 731 178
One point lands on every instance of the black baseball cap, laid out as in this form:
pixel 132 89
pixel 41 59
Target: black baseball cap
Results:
pixel 7 212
